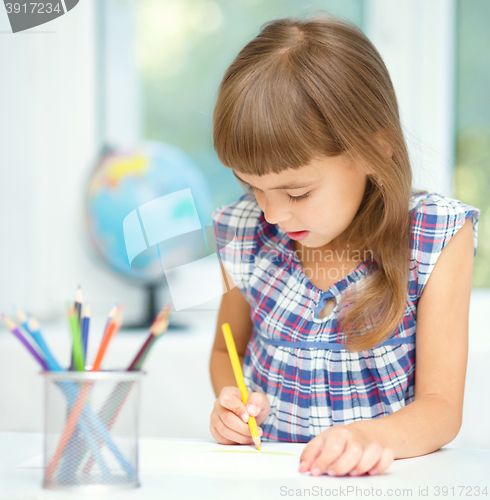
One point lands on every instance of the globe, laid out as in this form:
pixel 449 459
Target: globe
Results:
pixel 122 182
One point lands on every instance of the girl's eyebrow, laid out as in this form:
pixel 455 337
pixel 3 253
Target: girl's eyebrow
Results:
pixel 284 186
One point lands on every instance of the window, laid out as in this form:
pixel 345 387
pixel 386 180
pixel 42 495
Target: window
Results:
pixel 162 63
pixel 182 49
pixel 472 175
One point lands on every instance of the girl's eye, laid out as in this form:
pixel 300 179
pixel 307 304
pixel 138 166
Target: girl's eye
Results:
pixel 297 198
pixel 251 189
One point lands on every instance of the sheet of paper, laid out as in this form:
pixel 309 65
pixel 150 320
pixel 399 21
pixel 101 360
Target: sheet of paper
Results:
pixel 202 458
pixel 211 459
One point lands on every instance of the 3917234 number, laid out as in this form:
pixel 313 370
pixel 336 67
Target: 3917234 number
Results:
pixel 33 8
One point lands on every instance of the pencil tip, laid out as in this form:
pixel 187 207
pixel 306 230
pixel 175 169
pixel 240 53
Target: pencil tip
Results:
pixel 20 315
pixel 79 295
pixel 10 324
pixel 33 324
pixel 257 442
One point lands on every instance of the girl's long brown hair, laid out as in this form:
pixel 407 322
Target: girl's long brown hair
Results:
pixel 316 87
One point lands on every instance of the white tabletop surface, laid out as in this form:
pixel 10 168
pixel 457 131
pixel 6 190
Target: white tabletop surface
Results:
pixel 189 469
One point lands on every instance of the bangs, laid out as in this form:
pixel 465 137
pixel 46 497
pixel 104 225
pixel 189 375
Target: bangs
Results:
pixel 265 121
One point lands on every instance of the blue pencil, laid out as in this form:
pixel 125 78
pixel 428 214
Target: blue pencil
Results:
pixel 85 329
pixel 32 327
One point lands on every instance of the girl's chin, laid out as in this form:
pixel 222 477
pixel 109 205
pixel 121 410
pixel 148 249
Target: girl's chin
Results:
pixel 314 241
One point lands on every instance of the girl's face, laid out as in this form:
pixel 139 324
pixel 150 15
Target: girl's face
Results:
pixel 318 200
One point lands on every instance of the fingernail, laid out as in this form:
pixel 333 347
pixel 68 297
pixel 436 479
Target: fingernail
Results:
pixel 353 473
pixel 261 432
pixel 302 465
pixel 252 410
pixel 372 472
pixel 331 472
pixel 245 417
pixel 315 472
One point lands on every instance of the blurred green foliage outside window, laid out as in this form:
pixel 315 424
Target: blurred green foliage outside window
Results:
pixel 472 171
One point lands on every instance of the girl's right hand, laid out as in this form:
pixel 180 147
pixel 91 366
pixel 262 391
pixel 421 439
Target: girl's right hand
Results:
pixel 230 416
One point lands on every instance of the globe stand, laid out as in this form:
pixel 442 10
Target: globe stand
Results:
pixel 151 313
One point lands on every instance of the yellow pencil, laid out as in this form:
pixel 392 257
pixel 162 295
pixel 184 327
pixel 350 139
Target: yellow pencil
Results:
pixel 237 370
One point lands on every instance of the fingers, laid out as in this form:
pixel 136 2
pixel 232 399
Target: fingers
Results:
pixel 218 437
pixel 354 453
pixel 311 452
pixel 231 399
pixel 386 460
pixel 323 454
pixel 229 429
pixel 229 417
pixel 371 456
pixel 258 406
pixel 338 452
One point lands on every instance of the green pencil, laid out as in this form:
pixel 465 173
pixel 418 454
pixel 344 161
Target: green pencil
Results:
pixel 78 357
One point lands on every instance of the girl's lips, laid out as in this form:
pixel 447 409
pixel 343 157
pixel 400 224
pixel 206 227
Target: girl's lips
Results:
pixel 298 235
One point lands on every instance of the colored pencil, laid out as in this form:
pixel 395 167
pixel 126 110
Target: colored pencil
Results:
pixel 21 317
pixel 78 308
pixel 33 329
pixel 80 413
pixel 78 357
pixel 70 426
pixel 85 329
pixel 78 302
pixel 14 329
pixel 111 408
pixel 237 370
pixel 159 326
pixel 112 313
pixel 31 326
pixel 80 403
pixel 113 328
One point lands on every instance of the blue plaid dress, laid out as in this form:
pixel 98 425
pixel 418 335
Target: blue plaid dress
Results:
pixel 295 357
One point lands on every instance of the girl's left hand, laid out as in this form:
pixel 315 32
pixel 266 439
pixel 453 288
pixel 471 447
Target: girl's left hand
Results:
pixel 343 449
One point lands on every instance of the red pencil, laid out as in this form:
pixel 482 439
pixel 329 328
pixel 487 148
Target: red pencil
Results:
pixel 156 329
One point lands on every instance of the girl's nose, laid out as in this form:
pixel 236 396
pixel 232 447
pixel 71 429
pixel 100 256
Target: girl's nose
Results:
pixel 275 213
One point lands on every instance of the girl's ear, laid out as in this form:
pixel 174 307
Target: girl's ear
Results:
pixel 381 138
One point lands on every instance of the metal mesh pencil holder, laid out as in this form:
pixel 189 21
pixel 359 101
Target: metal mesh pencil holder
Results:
pixel 91 430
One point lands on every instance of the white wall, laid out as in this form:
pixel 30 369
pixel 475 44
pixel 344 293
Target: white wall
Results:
pixel 416 39
pixel 48 144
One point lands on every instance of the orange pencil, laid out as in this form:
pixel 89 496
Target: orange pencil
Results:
pixel 112 313
pixel 112 329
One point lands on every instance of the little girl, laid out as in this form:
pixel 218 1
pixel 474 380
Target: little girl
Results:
pixel 339 271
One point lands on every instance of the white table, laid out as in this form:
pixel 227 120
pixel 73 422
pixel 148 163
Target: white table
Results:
pixel 180 469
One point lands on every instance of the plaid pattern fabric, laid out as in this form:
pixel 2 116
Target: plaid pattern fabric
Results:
pixel 297 358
